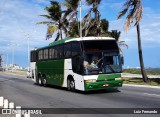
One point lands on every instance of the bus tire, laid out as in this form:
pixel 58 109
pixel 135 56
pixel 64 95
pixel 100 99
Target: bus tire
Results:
pixel 44 81
pixel 71 85
pixel 40 80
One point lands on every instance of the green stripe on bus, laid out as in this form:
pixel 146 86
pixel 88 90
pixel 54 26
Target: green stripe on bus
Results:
pixel 108 76
pixel 53 70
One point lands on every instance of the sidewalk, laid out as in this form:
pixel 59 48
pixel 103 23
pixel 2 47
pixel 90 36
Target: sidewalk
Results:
pixel 128 75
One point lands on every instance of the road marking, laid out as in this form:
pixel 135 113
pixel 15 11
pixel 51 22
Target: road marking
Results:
pixel 151 94
pixel 144 86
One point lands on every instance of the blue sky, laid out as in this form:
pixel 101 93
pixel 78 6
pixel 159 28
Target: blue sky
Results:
pixel 18 19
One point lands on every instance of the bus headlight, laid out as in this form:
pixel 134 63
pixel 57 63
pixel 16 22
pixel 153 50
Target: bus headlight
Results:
pixel 90 80
pixel 118 78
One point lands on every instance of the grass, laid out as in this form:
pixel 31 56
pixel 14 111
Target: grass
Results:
pixel 139 81
pixel 138 71
pixel 22 72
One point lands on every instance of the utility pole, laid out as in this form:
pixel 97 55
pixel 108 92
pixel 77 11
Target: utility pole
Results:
pixel 0 61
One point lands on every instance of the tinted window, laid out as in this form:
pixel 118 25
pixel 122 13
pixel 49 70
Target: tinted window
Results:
pixel 51 53
pixel 33 56
pixel 60 51
pixel 40 55
pixel 100 45
pixel 67 50
pixel 56 52
pixel 76 48
pixel 46 54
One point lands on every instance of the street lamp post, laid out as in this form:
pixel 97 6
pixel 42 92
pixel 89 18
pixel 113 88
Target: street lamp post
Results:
pixel 28 47
pixel 13 47
pixel 28 51
pixel 80 9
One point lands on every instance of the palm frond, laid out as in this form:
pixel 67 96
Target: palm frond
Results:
pixel 72 15
pixel 86 17
pixel 128 22
pixel 122 13
pixel 122 44
pixel 125 9
pixel 138 13
pixel 45 22
pixel 50 31
pixel 66 5
pixel 46 16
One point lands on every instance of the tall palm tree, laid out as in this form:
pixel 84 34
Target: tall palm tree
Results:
pixel 134 9
pixel 89 23
pixel 57 21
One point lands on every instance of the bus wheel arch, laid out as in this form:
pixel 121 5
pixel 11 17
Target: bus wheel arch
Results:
pixel 70 83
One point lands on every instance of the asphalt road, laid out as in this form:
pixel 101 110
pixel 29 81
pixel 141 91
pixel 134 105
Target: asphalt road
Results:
pixel 23 92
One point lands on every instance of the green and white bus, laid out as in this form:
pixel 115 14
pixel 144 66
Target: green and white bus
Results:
pixel 87 63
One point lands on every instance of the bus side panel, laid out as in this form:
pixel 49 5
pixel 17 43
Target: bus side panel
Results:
pixel 79 82
pixel 78 79
pixel 32 70
pixel 53 70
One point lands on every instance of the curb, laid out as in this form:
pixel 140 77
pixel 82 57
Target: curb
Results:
pixel 144 86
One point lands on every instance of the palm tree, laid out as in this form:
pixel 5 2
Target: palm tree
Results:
pixel 116 35
pixel 89 23
pixel 104 25
pixel 57 21
pixel 134 8
pixel 72 14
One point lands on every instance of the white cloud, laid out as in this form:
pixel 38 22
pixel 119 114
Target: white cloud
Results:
pixel 20 16
pixel 149 26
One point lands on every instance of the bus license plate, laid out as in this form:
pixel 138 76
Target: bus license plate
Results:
pixel 105 85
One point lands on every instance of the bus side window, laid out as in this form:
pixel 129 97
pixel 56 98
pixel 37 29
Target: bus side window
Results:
pixel 40 55
pixel 77 64
pixel 51 53
pixel 60 51
pixel 76 48
pixel 33 57
pixel 67 50
pixel 56 52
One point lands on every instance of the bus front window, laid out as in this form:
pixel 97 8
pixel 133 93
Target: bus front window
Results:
pixel 97 63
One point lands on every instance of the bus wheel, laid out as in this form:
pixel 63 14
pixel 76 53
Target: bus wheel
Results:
pixel 40 81
pixel 71 85
pixel 44 81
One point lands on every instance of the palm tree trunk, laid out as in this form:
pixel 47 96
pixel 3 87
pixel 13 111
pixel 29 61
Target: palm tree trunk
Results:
pixel 144 75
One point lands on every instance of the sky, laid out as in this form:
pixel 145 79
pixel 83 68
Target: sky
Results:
pixel 18 20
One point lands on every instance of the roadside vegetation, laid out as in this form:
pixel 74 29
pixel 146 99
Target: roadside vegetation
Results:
pixel 138 71
pixel 139 81
pixel 17 72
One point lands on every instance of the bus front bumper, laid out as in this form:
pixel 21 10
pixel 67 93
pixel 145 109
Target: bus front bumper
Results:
pixel 103 85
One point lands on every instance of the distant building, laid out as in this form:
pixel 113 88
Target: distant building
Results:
pixel 13 67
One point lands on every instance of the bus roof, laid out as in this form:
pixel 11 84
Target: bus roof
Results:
pixel 77 39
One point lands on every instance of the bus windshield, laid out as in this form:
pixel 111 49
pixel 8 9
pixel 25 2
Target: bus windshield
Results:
pixel 100 45
pixel 101 62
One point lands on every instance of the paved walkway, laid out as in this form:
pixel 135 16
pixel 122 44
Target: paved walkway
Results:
pixel 128 75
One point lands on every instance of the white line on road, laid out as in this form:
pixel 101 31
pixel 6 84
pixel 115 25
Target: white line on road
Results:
pixel 152 94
